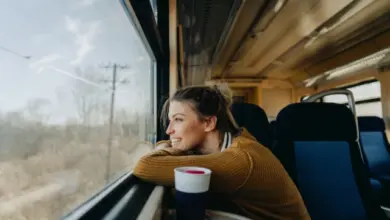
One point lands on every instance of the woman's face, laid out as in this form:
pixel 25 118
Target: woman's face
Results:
pixel 185 129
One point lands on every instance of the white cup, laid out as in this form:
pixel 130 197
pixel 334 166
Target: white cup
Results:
pixel 188 181
pixel 192 185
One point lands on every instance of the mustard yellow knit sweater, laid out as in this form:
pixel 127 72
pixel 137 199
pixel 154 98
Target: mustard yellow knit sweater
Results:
pixel 247 172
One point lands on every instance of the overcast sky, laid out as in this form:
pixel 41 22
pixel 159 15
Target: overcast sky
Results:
pixel 61 36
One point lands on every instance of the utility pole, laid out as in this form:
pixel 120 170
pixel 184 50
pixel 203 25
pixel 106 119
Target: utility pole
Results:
pixel 113 82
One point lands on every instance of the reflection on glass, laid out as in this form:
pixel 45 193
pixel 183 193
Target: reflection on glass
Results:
pixel 57 66
pixel 153 3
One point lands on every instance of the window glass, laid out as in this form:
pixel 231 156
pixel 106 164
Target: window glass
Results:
pixel 336 99
pixel 369 109
pixel 60 62
pixel 361 93
pixel 366 91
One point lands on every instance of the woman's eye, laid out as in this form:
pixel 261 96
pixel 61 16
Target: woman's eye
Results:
pixel 178 119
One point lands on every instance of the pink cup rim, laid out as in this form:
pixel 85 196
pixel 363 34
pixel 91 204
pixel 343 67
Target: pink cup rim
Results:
pixel 194 171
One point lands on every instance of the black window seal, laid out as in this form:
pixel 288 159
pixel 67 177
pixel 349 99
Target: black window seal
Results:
pixel 100 203
pixel 359 84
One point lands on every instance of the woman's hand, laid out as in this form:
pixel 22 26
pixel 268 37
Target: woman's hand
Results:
pixel 167 145
pixel 163 146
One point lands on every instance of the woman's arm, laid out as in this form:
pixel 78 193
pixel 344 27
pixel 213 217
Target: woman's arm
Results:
pixel 230 169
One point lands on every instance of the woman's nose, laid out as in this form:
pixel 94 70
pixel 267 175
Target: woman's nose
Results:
pixel 169 130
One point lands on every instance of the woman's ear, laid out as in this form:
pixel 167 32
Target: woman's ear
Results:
pixel 211 123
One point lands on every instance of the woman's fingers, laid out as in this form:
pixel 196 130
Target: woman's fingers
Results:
pixel 162 146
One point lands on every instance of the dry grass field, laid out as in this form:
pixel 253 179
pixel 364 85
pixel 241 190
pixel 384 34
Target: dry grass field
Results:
pixel 45 171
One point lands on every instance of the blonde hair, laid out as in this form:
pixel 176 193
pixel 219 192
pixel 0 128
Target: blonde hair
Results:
pixel 206 100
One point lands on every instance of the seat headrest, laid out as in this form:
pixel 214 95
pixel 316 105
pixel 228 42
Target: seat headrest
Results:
pixel 316 122
pixel 254 119
pixel 371 123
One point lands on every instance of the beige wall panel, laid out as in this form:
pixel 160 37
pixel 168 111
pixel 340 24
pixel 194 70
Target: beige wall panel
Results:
pixel 384 79
pixel 273 100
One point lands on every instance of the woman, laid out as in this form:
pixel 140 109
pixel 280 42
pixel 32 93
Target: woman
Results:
pixel 242 169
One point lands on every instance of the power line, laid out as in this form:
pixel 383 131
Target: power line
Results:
pixel 14 53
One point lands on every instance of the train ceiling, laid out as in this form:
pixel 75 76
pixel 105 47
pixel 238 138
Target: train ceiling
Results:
pixel 290 40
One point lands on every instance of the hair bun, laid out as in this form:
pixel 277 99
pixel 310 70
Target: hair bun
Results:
pixel 226 93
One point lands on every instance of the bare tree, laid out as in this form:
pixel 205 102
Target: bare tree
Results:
pixel 14 118
pixel 88 97
pixel 127 122
pixel 35 111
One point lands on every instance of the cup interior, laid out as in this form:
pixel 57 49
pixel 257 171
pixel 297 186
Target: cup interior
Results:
pixel 193 170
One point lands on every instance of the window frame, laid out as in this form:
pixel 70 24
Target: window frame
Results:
pixel 156 35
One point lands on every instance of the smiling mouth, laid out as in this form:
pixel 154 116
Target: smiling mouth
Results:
pixel 175 141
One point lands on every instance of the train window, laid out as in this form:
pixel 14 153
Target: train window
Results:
pixel 76 103
pixel 369 109
pixel 340 99
pixel 367 97
pixel 366 91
